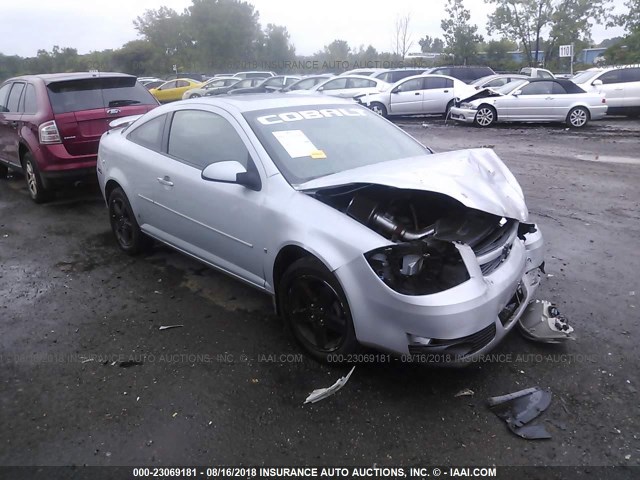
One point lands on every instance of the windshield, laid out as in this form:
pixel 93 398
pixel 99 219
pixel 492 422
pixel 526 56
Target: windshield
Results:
pixel 308 142
pixel 584 77
pixel 510 87
pixel 482 80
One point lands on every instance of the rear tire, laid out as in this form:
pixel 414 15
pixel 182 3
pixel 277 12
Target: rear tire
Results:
pixel 124 225
pixel 578 117
pixel 36 189
pixel 195 95
pixel 316 311
pixel 485 116
pixel 379 108
pixel 4 171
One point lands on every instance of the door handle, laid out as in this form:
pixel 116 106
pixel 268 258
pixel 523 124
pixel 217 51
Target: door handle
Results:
pixel 446 91
pixel 549 98
pixel 417 93
pixel 165 181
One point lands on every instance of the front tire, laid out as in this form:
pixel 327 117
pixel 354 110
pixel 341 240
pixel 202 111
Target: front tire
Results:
pixel 578 117
pixel 316 311
pixel 36 189
pixel 447 110
pixel 195 95
pixel 485 117
pixel 379 108
pixel 4 171
pixel 124 225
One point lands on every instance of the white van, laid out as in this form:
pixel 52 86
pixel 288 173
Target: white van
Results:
pixel 621 85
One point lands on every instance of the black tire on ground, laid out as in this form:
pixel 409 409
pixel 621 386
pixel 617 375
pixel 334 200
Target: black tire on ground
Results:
pixel 124 225
pixel 486 116
pixel 448 109
pixel 578 117
pixel 315 310
pixel 4 171
pixel 36 189
pixel 195 95
pixel 379 108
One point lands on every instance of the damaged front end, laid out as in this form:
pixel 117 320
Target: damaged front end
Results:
pixel 448 258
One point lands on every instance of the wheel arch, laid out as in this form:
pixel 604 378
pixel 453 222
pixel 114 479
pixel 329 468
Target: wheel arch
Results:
pixel 284 259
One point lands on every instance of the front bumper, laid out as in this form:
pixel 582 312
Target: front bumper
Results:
pixel 465 115
pixel 454 326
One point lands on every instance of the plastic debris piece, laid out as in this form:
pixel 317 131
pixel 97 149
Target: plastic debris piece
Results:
pixel 517 409
pixel 322 393
pixel 167 327
pixel 542 322
pixel 129 363
pixel 467 392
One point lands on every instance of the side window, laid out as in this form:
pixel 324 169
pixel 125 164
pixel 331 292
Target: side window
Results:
pixel 182 83
pixel 614 76
pixel 14 97
pixel 200 138
pixel 631 75
pixel 336 84
pixel 538 88
pixel 168 85
pixel 544 75
pixel 558 89
pixel 30 100
pixel 411 85
pixel 498 82
pixel 4 95
pixel 290 81
pixel 432 83
pixel 273 82
pixel 150 134
pixel 360 83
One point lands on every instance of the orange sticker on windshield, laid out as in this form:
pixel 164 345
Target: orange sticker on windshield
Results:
pixel 318 154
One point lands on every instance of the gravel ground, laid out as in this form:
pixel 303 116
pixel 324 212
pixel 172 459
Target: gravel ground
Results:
pixel 228 387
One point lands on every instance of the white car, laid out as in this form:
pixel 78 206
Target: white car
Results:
pixel 535 100
pixel 347 86
pixel 417 95
pixel 621 86
pixel 216 82
pixel 360 233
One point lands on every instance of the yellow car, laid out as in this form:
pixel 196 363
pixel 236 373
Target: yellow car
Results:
pixel 174 89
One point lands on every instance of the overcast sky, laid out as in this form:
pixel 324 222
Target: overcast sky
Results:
pixel 85 25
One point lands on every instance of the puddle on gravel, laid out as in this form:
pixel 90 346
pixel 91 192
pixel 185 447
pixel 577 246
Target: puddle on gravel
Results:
pixel 609 159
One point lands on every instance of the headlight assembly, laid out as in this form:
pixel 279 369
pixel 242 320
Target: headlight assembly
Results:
pixel 468 106
pixel 419 268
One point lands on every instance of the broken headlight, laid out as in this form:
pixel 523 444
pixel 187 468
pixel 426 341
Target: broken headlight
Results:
pixel 419 268
pixel 468 106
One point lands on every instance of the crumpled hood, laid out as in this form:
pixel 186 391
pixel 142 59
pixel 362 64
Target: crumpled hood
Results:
pixel 477 178
pixel 484 93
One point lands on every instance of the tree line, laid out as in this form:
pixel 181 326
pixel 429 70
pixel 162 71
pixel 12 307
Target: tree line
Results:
pixel 224 36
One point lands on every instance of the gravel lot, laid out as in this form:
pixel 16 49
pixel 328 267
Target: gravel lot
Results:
pixel 229 387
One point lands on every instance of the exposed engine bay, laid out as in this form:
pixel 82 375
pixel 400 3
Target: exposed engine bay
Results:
pixel 424 226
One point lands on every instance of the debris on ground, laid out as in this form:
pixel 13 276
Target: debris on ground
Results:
pixel 167 327
pixel 322 393
pixel 467 392
pixel 129 363
pixel 542 322
pixel 517 409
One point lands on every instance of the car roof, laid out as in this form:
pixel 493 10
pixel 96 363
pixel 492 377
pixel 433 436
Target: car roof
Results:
pixel 264 101
pixel 60 77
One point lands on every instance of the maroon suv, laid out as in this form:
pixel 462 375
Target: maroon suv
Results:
pixel 50 125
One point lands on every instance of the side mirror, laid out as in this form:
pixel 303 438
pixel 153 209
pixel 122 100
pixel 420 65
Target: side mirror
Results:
pixel 597 83
pixel 517 93
pixel 231 171
pixel 321 89
pixel 396 90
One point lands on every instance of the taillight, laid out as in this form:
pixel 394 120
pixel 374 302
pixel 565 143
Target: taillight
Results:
pixel 49 133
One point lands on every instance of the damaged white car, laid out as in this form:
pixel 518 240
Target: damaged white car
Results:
pixel 362 235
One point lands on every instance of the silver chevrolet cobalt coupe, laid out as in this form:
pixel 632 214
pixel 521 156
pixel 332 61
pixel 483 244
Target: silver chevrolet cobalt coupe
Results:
pixel 361 234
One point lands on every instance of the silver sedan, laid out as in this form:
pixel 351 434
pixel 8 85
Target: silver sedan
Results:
pixel 532 101
pixel 360 233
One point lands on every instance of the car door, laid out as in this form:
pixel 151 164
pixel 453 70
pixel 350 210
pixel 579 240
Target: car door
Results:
pixel 406 97
pixel 534 103
pixel 631 80
pixel 613 87
pixel 164 92
pixel 10 116
pixel 220 223
pixel 438 92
